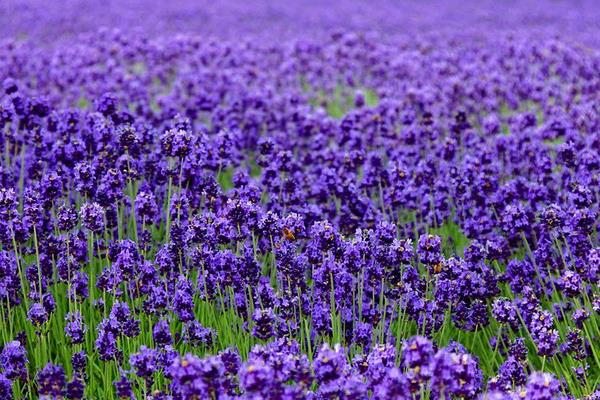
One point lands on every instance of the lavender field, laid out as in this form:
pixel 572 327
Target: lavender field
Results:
pixel 300 200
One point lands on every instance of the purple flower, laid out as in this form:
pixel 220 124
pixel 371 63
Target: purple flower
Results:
pixel 543 333
pixel 6 391
pixel 37 314
pixel 417 352
pixel 394 386
pixel 256 377
pixel 75 329
pixel 197 335
pixel 67 218
pixel 14 360
pixel 263 323
pixel 144 363
pixel 541 386
pixel 196 378
pixel 74 389
pixel 106 104
pixel 92 217
pixel 380 360
pixel 146 208
pixel 511 373
pixel 106 342
pixel 571 283
pixel 79 287
pixel 363 334
pixel 121 320
pixel 183 303
pixel 347 387
pixel 430 251
pixel 330 364
pixel 123 388
pixel 505 312
pixel 518 349
pixel 79 363
pixel 161 333
pixel 455 374
pixel 579 317
pixel 553 217
pixel 51 381
pixel 177 142
pixel 10 283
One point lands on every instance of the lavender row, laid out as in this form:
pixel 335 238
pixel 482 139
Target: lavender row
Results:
pixel 357 216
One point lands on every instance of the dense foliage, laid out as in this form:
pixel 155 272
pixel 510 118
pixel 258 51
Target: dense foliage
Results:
pixel 336 215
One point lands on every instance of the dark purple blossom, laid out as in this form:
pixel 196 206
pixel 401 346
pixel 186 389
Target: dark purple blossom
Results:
pixel 51 381
pixel 14 360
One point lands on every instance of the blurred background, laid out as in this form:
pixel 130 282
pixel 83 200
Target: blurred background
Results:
pixel 51 21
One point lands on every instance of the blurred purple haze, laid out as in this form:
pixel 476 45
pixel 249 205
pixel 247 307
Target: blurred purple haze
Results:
pixel 271 21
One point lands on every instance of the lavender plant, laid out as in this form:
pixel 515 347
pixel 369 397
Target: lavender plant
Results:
pixel 355 214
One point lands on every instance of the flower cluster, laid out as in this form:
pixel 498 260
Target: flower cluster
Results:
pixel 340 215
